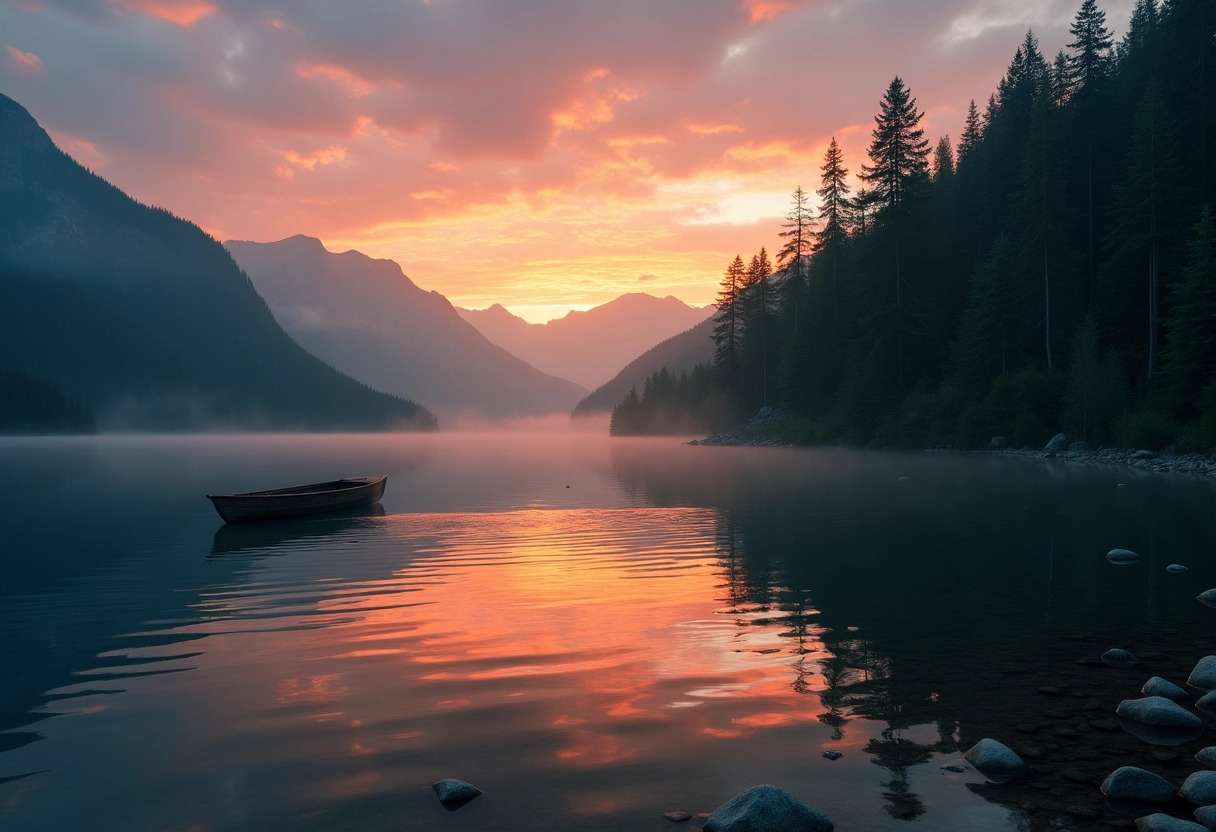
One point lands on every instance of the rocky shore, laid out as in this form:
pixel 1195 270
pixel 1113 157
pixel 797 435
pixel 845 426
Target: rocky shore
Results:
pixel 766 430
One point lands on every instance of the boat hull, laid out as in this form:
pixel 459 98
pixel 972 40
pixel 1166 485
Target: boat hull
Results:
pixel 317 498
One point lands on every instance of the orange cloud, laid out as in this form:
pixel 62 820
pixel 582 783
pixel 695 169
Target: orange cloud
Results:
pixel 698 129
pixel 24 62
pixel 761 10
pixel 178 12
pixel 355 86
pixel 325 156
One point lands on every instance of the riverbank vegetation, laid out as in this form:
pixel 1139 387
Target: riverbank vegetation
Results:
pixel 1052 269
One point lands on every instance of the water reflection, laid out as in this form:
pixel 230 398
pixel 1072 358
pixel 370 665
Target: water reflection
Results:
pixel 679 625
pixel 282 536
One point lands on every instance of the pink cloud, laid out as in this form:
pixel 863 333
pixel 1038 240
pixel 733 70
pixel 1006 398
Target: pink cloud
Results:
pixel 177 12
pixel 24 62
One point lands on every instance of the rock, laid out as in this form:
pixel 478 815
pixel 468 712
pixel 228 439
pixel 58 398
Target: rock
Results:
pixel 832 755
pixel 1118 657
pixel 678 817
pixel 766 809
pixel 1158 711
pixel 1207 703
pixel 1207 756
pixel 994 760
pixel 1176 568
pixel 1122 556
pixel 1207 597
pixel 998 443
pixel 1156 686
pixel 1142 454
pixel 1057 444
pixel 1136 784
pixel 1158 734
pixel 956 769
pixel 1204 674
pixel 1200 788
pixel 1207 816
pixel 1076 447
pixel 455 793
pixel 1159 822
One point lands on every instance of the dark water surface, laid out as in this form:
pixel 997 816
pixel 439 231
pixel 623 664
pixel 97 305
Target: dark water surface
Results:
pixel 593 631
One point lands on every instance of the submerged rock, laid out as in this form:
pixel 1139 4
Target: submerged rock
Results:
pixel 1204 674
pixel 1200 788
pixel 1156 686
pixel 1158 711
pixel 766 809
pixel 1118 657
pixel 678 817
pixel 1207 597
pixel 994 760
pixel 1207 816
pixel 1160 734
pixel 1176 568
pixel 455 793
pixel 1136 784
pixel 1122 556
pixel 1207 756
pixel 1160 822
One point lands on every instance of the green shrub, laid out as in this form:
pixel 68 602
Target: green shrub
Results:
pixel 1145 429
pixel 1023 406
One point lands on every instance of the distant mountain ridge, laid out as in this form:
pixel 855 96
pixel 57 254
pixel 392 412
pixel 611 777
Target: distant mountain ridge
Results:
pixel 679 354
pixel 368 319
pixel 589 347
pixel 143 316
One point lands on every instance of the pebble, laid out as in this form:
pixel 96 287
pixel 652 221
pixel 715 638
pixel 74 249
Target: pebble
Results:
pixel 1176 568
pixel 455 793
pixel 678 817
pixel 832 755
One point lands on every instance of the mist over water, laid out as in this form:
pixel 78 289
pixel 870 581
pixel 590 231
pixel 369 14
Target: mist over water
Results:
pixel 593 631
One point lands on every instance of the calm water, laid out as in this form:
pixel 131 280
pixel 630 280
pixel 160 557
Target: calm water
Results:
pixel 594 632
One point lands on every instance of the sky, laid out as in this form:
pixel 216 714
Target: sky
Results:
pixel 544 154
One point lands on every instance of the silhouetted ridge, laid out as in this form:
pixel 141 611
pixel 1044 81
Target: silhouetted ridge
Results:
pixel 144 316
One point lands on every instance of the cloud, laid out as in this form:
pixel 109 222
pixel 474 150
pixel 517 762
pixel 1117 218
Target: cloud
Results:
pixel 499 150
pixel 24 62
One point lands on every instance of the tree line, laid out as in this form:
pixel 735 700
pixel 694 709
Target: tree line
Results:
pixel 1053 269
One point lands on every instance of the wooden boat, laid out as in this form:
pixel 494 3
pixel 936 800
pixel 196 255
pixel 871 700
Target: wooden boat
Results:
pixel 315 498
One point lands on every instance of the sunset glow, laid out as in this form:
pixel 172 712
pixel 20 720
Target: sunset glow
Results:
pixel 546 158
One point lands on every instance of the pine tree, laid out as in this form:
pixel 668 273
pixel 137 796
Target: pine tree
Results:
pixel 757 324
pixel 1188 364
pixel 728 322
pixel 799 237
pixel 988 339
pixel 972 133
pixel 898 164
pixel 1089 67
pixel 833 211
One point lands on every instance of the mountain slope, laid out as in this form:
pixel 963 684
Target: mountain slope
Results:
pixel 679 354
pixel 145 317
pixel 365 317
pixel 589 347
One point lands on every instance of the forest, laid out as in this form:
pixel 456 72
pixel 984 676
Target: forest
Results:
pixel 1054 269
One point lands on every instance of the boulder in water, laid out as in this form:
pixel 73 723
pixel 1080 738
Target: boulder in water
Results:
pixel 1160 822
pixel 1156 686
pixel 1207 816
pixel 766 809
pixel 1207 703
pixel 1207 597
pixel 994 760
pixel 1200 788
pixel 455 793
pixel 1118 657
pixel 1176 568
pixel 1122 556
pixel 1138 785
pixel 1057 444
pixel 1204 674
pixel 1207 756
pixel 1158 711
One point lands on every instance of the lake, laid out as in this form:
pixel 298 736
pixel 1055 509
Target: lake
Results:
pixel 594 631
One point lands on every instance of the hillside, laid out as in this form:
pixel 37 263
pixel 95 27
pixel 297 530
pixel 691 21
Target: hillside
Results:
pixel 589 347
pixel 366 318
pixel 679 354
pixel 145 318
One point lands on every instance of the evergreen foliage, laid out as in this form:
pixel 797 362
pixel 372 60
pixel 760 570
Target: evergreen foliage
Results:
pixel 1055 271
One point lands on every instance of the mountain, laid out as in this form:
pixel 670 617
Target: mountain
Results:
pixel 589 347
pixel 144 318
pixel 679 354
pixel 365 317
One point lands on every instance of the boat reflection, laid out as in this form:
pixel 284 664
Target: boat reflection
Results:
pixel 277 537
